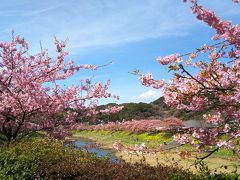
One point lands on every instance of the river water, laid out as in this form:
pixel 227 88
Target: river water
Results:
pixel 196 124
pixel 92 147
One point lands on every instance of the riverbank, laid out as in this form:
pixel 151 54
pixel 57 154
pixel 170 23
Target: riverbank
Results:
pixel 107 138
pixel 217 161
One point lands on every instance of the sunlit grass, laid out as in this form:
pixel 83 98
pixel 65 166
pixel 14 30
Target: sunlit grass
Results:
pixel 108 138
pixel 153 141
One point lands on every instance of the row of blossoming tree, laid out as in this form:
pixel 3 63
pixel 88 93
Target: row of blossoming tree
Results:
pixel 215 87
pixel 31 96
pixel 138 126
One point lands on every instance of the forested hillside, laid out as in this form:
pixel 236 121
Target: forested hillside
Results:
pixel 154 110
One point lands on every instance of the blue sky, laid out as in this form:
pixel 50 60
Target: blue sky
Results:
pixel 132 33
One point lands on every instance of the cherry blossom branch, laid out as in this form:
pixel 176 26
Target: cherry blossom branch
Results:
pixel 200 159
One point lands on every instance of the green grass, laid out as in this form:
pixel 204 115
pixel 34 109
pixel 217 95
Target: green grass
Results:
pixel 224 153
pixel 107 138
pixel 152 141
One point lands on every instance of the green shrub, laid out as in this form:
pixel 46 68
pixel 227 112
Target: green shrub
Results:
pixel 51 159
pixel 14 164
pixel 35 158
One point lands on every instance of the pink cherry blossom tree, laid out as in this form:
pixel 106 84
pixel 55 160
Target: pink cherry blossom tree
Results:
pixel 215 87
pixel 31 98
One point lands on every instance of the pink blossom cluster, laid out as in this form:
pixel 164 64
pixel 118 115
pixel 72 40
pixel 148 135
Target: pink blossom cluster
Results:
pixel 111 109
pixel 79 126
pixel 181 138
pixel 31 97
pixel 100 91
pixel 87 66
pixel 224 29
pixel 225 144
pixel 173 58
pixel 213 118
pixel 137 148
pixel 204 139
pixel 147 80
pixel 118 145
pixel 214 86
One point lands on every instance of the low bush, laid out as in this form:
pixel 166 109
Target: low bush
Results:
pixel 51 159
pixel 38 158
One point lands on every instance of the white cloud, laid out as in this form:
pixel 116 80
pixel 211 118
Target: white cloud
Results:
pixel 100 23
pixel 147 96
pixel 96 23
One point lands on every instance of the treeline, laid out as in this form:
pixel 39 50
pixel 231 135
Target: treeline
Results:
pixel 154 110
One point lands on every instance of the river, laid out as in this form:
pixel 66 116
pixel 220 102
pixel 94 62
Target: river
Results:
pixel 92 147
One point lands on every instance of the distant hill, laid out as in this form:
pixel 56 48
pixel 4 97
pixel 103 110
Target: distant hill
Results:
pixel 167 111
pixel 154 110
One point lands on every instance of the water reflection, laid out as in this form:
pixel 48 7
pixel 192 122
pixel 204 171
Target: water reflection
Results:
pixel 92 147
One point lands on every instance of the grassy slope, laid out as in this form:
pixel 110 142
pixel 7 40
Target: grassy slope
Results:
pixel 107 138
